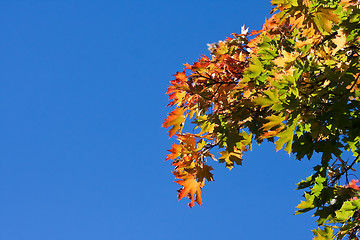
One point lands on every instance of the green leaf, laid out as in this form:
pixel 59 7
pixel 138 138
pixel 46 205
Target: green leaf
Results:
pixel 323 234
pixel 344 215
pixel 274 120
pixel 204 124
pixel 306 205
pixel 306 183
pixel 271 97
pixel 286 137
pixel 347 210
pixel 254 69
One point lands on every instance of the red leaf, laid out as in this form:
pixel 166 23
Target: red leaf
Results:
pixel 353 185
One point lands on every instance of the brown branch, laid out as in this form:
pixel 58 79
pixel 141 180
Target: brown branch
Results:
pixel 347 168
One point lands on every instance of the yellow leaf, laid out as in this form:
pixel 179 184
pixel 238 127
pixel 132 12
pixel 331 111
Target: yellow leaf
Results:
pixel 230 157
pixel 274 120
pixel 312 40
pixel 340 42
pixel 285 58
pixel 247 93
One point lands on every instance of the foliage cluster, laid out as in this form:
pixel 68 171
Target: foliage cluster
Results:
pixel 295 83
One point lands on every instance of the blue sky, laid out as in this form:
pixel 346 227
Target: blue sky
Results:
pixel 82 100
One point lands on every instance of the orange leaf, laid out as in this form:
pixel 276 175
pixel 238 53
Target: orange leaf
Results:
pixel 175 119
pixel 187 66
pixel 353 185
pixel 273 133
pixel 181 76
pixel 175 152
pixel 191 188
pixel 188 140
pixel 175 96
pixel 255 32
pixel 271 23
pixel 247 93
pixel 306 42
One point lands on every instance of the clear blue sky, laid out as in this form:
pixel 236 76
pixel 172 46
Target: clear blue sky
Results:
pixel 82 100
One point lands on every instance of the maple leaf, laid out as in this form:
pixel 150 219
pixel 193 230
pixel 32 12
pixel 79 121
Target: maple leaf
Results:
pixel 244 30
pixel 255 32
pixel 181 76
pixel 285 59
pixel 175 152
pixel 255 68
pixel 286 138
pixel 297 20
pixel 272 133
pixel 188 141
pixel 247 93
pixel 191 188
pixel 311 40
pixel 353 185
pixel 176 120
pixel 176 95
pixel 230 157
pixel 340 42
pixel 271 97
pixel 324 18
pixel 274 120
pixel 204 172
pixel 271 23
pixel 320 234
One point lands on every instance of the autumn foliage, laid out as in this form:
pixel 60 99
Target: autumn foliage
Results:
pixel 296 83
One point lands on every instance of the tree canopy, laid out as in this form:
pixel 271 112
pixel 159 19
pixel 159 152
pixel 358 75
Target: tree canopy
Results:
pixel 296 83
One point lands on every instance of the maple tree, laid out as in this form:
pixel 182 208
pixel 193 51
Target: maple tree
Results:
pixel 296 83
